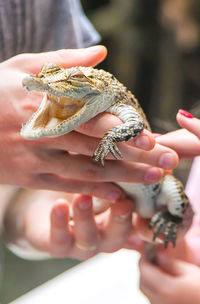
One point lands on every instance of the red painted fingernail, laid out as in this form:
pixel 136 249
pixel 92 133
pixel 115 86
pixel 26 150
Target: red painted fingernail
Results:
pixel 85 203
pixel 185 113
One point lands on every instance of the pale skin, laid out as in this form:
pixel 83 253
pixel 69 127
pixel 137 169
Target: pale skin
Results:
pixel 184 141
pixel 45 163
pixel 42 218
pixel 176 269
pixel 180 281
pixel 44 223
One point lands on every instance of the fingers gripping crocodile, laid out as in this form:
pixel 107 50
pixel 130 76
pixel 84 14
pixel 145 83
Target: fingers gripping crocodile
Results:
pixel 72 97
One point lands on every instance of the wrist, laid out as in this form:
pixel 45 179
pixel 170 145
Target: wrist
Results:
pixel 13 221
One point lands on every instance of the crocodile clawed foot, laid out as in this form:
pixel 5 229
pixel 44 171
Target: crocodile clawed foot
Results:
pixel 166 224
pixel 105 146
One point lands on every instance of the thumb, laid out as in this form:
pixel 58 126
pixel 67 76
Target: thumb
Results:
pixel 174 267
pixel 32 63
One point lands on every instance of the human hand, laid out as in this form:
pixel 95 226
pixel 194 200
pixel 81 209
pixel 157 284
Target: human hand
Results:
pixel 46 225
pixel 171 281
pixel 45 163
pixel 184 141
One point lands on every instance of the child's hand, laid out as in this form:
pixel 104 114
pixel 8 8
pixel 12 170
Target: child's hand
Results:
pixel 48 227
pixel 170 282
pixel 184 141
pixel 189 122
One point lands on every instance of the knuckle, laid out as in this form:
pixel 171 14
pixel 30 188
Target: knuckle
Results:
pixel 59 252
pixel 33 163
pixel 91 146
pixel 111 249
pixel 62 55
pixel 63 242
pixel 29 182
pixel 22 162
pixel 87 242
pixel 89 238
pixel 44 179
pixel 27 160
pixel 86 127
pixel 36 181
pixel 92 173
pixel 53 182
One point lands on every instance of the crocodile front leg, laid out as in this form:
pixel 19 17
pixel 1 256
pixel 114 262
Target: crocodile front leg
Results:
pixel 132 126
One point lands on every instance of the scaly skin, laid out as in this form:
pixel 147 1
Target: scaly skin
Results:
pixel 75 95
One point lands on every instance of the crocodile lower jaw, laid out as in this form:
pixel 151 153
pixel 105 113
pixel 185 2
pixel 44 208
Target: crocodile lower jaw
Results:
pixel 52 112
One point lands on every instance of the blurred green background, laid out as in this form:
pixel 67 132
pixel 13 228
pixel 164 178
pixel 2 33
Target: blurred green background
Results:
pixel 154 49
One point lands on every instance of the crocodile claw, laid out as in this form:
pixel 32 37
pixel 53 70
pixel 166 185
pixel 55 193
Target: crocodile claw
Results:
pixel 166 224
pixel 106 146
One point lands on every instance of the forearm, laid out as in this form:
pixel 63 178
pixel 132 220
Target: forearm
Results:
pixel 14 224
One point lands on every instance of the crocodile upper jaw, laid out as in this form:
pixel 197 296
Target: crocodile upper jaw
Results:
pixel 52 112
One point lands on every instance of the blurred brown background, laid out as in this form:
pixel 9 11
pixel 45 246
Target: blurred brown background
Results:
pixel 154 49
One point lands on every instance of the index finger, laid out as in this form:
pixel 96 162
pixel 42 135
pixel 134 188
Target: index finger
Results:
pixel 190 123
pixel 99 125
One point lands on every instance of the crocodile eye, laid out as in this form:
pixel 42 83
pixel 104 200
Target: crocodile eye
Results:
pixel 77 74
pixel 50 67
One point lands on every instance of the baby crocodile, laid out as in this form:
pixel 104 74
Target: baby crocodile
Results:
pixel 75 95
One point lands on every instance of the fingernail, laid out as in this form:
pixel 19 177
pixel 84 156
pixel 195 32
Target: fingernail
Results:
pixel 122 218
pixel 185 113
pixel 142 142
pixel 94 48
pixel 114 195
pixel 61 201
pixel 166 161
pixel 60 211
pixel 152 175
pixel 85 204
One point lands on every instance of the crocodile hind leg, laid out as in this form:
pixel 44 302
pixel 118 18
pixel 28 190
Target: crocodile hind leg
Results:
pixel 165 223
pixel 173 198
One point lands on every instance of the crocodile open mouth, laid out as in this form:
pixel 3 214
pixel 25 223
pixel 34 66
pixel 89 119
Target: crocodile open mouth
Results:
pixel 54 110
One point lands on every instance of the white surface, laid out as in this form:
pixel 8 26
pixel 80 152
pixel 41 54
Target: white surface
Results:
pixel 106 278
